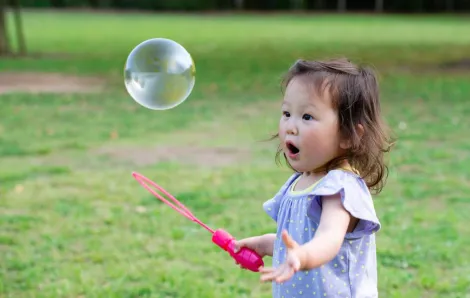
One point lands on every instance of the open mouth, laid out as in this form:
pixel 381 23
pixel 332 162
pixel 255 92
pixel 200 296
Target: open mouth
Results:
pixel 293 150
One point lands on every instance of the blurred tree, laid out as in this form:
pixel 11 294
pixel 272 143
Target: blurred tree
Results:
pixel 419 5
pixel 5 48
pixel 239 4
pixel 319 4
pixel 94 3
pixel 450 5
pixel 342 5
pixel 379 5
pixel 19 27
pixel 58 3
pixel 297 4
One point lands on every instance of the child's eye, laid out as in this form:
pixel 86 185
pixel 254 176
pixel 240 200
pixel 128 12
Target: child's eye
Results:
pixel 286 114
pixel 307 117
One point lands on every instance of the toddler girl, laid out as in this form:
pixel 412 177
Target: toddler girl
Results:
pixel 332 135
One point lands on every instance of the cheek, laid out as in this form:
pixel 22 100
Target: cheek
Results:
pixel 312 131
pixel 311 140
pixel 317 138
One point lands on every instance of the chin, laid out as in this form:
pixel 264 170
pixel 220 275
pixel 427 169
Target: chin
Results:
pixel 295 165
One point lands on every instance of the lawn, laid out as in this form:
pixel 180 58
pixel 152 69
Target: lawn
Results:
pixel 74 223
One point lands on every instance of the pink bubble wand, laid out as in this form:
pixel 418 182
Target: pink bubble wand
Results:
pixel 246 257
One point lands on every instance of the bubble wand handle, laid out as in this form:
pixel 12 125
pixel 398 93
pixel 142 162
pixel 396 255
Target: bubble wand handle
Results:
pixel 246 257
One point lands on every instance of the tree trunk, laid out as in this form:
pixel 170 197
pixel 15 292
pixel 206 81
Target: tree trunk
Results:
pixel 450 5
pixel 319 4
pixel 341 5
pixel 297 4
pixel 239 4
pixel 379 6
pixel 420 4
pixel 19 27
pixel 94 3
pixel 4 41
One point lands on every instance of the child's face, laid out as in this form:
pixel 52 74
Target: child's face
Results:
pixel 308 129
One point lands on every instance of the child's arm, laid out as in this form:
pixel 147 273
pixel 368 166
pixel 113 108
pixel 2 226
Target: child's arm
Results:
pixel 263 245
pixel 334 223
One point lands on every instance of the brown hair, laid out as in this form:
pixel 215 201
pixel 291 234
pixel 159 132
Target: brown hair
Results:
pixel 354 91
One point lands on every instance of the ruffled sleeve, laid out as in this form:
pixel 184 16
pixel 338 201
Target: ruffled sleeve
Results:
pixel 272 206
pixel 355 197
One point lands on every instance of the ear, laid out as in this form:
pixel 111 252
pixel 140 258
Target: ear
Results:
pixel 360 130
pixel 346 143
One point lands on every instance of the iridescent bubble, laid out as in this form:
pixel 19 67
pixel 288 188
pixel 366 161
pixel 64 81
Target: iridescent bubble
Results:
pixel 159 74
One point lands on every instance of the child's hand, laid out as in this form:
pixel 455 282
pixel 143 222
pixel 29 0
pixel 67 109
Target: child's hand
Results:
pixel 258 244
pixel 289 267
pixel 263 245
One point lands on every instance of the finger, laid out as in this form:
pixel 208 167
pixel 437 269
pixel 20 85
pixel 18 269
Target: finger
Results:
pixel 241 243
pixel 266 269
pixel 273 274
pixel 285 275
pixel 296 265
pixel 290 243
pixel 236 247
pixel 269 276
pixel 294 262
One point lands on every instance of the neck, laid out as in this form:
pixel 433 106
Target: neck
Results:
pixel 323 170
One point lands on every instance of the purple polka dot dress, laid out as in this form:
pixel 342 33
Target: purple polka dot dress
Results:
pixel 353 272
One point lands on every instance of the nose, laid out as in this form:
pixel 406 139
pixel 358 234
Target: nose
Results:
pixel 292 128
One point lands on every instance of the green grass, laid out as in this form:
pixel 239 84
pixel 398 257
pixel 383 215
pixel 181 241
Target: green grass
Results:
pixel 74 223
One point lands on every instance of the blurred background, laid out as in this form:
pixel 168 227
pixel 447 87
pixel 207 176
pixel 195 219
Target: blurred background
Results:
pixel 74 222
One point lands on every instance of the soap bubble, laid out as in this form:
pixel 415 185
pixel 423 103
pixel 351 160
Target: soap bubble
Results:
pixel 159 74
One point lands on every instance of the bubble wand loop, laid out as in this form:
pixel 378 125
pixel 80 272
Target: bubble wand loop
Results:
pixel 247 258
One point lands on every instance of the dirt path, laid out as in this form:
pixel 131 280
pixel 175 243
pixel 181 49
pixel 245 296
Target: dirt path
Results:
pixel 37 82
